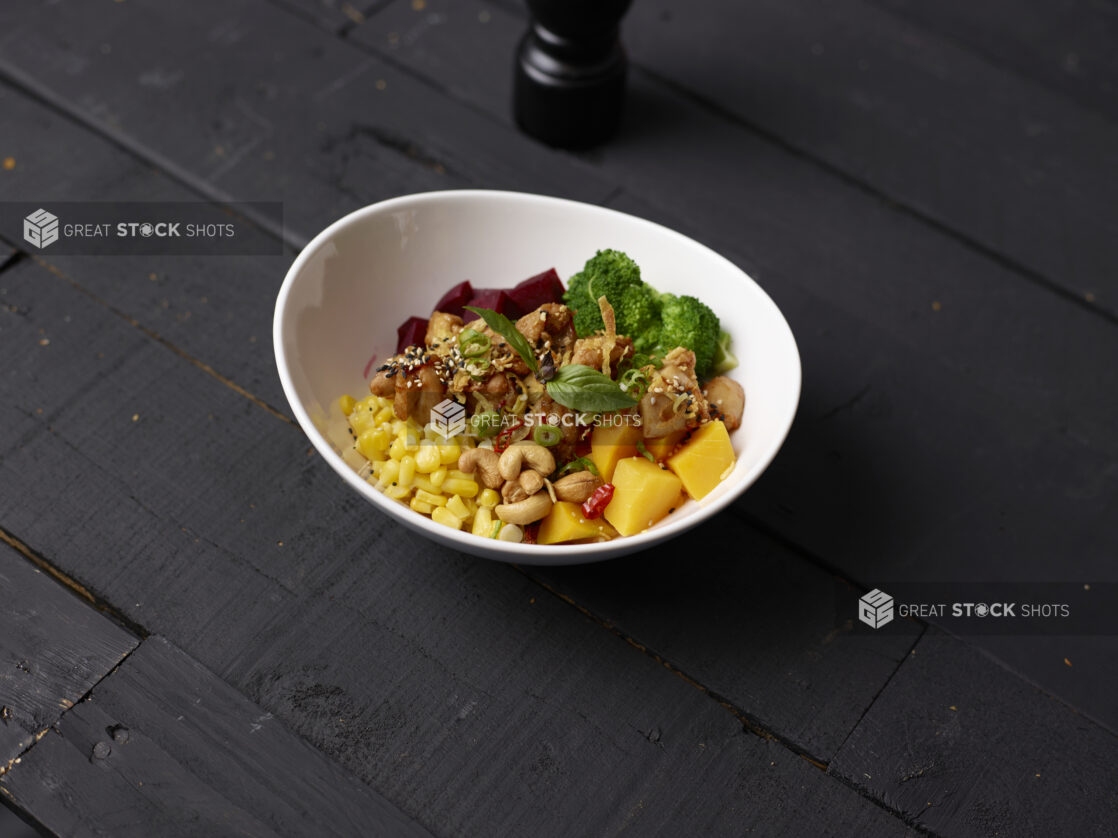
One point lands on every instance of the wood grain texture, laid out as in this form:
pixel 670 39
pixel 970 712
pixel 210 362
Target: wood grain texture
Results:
pixel 1004 162
pixel 1067 46
pixel 238 98
pixel 53 648
pixel 212 309
pixel 164 747
pixel 458 688
pixel 946 406
pixel 332 15
pixel 970 750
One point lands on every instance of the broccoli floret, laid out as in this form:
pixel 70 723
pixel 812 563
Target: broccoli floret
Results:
pixel 724 359
pixel 686 321
pixel 608 273
pixel 638 316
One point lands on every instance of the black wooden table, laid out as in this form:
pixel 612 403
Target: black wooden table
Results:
pixel 204 632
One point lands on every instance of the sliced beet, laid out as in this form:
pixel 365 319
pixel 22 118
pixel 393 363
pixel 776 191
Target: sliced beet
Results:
pixel 496 299
pixel 537 290
pixel 454 299
pixel 411 332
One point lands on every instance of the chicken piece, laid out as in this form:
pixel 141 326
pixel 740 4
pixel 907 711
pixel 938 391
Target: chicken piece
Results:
pixel 726 400
pixel 442 328
pixel 564 449
pixel 588 351
pixel 674 401
pixel 382 383
pixel 416 393
pixel 504 357
pixel 548 327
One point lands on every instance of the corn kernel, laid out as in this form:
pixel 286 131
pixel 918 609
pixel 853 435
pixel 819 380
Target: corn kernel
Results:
pixel 483 523
pixel 430 497
pixel 346 403
pixel 397 449
pixel 471 506
pixel 397 492
pixel 373 444
pixel 449 454
pixel 460 475
pixel 440 515
pixel 420 506
pixel 407 470
pixel 438 476
pixel 456 506
pixel 421 482
pixel 467 488
pixel 389 472
pixel 511 532
pixel 427 458
pixel 488 498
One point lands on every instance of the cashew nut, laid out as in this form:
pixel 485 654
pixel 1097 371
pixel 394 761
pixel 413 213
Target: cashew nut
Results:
pixel 525 453
pixel 525 511
pixel 577 487
pixel 531 481
pixel 485 462
pixel 512 492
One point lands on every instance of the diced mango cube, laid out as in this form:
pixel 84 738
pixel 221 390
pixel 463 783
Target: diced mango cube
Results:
pixel 643 493
pixel 611 443
pixel 662 446
pixel 705 459
pixel 566 523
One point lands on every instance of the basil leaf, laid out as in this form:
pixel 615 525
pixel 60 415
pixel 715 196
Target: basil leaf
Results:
pixel 507 329
pixel 580 387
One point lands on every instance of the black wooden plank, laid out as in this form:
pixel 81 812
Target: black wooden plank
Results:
pixel 970 750
pixel 471 698
pixel 1068 46
pixel 164 747
pixel 1005 162
pixel 332 15
pixel 238 97
pixel 212 309
pixel 950 422
pixel 53 648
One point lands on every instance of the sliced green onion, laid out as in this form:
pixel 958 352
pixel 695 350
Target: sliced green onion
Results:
pixel 644 452
pixel 546 435
pixel 472 343
pixel 580 464
pixel 633 383
pixel 486 424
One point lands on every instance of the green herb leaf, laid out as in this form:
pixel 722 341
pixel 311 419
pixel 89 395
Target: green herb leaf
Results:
pixel 580 387
pixel 507 329
pixel 580 464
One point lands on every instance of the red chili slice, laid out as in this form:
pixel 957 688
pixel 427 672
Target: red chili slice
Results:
pixel 596 504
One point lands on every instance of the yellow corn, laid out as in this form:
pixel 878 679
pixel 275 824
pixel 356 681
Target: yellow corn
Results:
pixel 458 486
pixel 440 515
pixel 421 482
pixel 407 470
pixel 346 403
pixel 449 454
pixel 456 506
pixel 430 497
pixel 389 472
pixel 420 506
pixel 427 458
pixel 397 449
pixel 372 444
pixel 488 498
pixel 483 523
pixel 397 492
pixel 460 475
pixel 438 476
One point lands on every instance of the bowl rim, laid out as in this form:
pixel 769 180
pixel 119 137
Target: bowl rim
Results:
pixel 516 552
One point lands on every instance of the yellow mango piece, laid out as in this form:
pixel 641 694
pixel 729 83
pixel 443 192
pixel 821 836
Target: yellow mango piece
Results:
pixel 704 460
pixel 611 443
pixel 662 446
pixel 565 523
pixel 643 493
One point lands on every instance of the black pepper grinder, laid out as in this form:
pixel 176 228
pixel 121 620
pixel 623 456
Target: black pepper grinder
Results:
pixel 570 72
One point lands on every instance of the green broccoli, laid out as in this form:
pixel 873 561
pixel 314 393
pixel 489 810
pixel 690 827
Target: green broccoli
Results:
pixel 686 321
pixel 724 359
pixel 608 273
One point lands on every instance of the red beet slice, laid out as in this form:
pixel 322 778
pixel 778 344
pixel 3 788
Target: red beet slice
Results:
pixel 496 299
pixel 412 331
pixel 537 290
pixel 454 299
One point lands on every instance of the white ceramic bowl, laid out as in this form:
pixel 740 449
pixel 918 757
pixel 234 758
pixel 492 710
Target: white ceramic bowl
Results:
pixel 342 299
